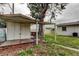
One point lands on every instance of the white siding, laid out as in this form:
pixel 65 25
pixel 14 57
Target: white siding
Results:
pixel 25 31
pixel 10 30
pixel 69 31
pixel 17 31
pixel 28 32
pixel 46 30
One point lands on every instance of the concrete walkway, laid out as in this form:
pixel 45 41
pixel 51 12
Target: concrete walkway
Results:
pixel 14 42
pixel 73 49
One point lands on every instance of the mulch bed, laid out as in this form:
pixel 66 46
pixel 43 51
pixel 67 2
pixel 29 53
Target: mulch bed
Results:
pixel 12 50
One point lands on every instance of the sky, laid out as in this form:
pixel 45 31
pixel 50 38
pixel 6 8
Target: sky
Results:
pixel 70 14
pixel 19 8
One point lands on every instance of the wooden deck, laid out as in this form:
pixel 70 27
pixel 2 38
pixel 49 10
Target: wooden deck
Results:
pixel 14 42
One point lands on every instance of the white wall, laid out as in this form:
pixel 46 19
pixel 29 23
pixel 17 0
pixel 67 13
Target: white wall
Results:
pixel 69 31
pixel 33 27
pixel 25 31
pixel 51 26
pixel 17 31
pixel 10 30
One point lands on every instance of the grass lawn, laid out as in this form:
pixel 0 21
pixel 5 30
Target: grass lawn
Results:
pixel 47 50
pixel 63 40
pixel 50 49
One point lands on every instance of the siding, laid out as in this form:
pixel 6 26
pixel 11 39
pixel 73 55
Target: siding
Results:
pixel 10 30
pixel 25 31
pixel 69 31
pixel 17 31
pixel 50 27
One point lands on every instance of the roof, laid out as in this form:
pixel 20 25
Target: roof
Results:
pixel 17 18
pixel 69 24
pixel 20 18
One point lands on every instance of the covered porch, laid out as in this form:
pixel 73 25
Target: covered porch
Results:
pixel 17 29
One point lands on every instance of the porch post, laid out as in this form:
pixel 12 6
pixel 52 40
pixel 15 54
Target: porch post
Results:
pixel 37 32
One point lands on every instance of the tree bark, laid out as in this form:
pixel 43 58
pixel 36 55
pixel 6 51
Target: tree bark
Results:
pixel 41 32
pixel 12 8
pixel 42 15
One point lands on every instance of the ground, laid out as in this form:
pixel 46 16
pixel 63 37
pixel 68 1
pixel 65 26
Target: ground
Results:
pixel 55 48
pixel 68 41
pixel 14 49
pixel 48 48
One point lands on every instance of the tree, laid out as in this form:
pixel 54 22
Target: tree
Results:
pixel 41 9
pixel 11 6
pixel 56 9
pixel 2 5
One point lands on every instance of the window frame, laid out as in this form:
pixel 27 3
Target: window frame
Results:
pixel 64 28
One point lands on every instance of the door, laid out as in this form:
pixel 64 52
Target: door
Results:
pixel 2 34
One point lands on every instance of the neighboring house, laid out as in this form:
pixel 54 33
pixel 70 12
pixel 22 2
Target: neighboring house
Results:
pixel 17 27
pixel 48 28
pixel 69 29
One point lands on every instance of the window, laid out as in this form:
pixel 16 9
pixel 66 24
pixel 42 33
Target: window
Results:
pixel 63 28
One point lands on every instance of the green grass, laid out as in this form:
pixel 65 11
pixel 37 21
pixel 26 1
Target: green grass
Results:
pixel 63 40
pixel 26 52
pixel 50 49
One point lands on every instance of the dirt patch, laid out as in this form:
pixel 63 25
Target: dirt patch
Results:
pixel 14 49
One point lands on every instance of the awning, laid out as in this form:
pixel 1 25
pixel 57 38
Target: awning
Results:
pixel 17 18
pixel 20 18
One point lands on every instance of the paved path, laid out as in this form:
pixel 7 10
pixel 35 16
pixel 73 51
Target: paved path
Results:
pixel 74 49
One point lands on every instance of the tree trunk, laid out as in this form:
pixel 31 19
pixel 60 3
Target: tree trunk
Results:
pixel 41 32
pixel 12 8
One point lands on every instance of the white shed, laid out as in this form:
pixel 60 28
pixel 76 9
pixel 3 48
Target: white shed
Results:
pixel 17 26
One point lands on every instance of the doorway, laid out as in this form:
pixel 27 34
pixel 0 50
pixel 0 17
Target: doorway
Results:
pixel 2 31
